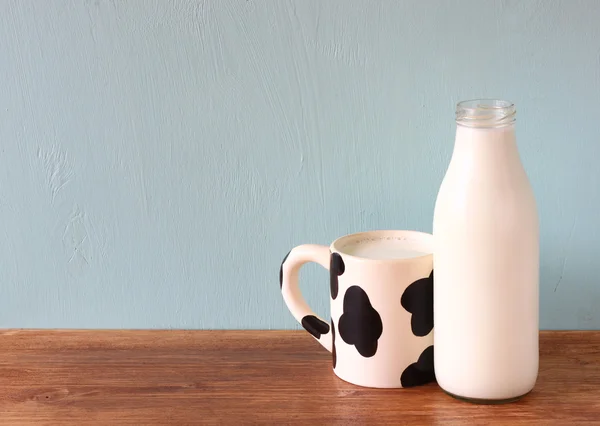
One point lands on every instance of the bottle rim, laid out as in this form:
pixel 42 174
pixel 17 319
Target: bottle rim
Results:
pixel 485 113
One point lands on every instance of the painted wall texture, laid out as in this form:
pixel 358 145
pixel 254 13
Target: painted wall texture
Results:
pixel 158 159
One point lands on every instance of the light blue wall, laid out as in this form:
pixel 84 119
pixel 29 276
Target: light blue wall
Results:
pixel 158 159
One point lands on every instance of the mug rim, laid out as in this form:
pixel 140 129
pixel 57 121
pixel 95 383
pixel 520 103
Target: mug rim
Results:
pixel 416 235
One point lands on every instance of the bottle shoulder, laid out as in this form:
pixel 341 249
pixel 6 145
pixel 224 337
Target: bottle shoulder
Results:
pixel 470 197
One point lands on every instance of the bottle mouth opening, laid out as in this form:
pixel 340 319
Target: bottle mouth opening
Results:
pixel 485 113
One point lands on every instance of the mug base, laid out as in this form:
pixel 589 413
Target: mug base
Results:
pixel 486 401
pixel 388 385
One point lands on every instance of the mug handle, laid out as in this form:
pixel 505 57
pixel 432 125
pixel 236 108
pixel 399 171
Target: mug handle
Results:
pixel 288 281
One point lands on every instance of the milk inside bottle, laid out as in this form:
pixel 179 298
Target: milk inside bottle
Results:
pixel 486 261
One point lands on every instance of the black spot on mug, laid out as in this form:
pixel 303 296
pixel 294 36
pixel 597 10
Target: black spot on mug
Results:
pixel 420 372
pixel 418 300
pixel 336 268
pixel 360 324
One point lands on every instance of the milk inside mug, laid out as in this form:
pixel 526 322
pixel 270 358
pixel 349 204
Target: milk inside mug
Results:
pixel 486 262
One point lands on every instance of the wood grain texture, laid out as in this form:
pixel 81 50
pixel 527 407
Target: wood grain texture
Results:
pixel 256 377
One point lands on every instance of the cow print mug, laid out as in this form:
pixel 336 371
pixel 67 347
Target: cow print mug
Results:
pixel 381 289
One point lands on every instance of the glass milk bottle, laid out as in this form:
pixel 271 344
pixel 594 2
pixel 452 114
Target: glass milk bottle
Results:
pixel 486 262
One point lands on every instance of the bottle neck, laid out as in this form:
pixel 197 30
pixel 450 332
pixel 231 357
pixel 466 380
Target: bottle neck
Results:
pixel 485 137
pixel 485 147
pixel 485 113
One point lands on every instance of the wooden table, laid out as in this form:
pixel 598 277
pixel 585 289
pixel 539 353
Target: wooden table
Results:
pixel 256 377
